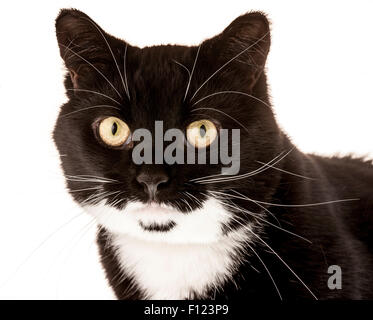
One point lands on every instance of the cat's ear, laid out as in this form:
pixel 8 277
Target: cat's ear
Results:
pixel 83 46
pixel 246 43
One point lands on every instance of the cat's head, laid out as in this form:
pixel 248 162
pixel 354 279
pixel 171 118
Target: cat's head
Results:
pixel 115 90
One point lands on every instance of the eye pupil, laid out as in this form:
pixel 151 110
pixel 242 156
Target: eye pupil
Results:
pixel 202 130
pixel 114 128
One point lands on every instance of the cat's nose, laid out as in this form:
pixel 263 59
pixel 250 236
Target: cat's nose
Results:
pixel 151 181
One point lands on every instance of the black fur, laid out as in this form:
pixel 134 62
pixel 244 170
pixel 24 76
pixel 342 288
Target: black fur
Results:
pixel 159 228
pixel 341 233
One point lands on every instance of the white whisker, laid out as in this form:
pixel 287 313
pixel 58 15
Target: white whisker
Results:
pixel 232 92
pixel 88 108
pixel 111 51
pixel 227 115
pixel 181 65
pixel 290 269
pixel 236 207
pixel 125 71
pixel 202 179
pixel 243 197
pixel 85 176
pixel 95 92
pixel 68 46
pixel 85 60
pixel 40 245
pixel 186 202
pixel 192 196
pixel 247 243
pixel 288 172
pixel 88 180
pixel 306 204
pixel 263 168
pixel 85 189
pixel 276 254
pixel 228 62
pixel 191 74
pixel 265 267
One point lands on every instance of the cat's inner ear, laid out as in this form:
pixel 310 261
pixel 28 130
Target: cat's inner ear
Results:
pixel 74 78
pixel 84 46
pixel 246 40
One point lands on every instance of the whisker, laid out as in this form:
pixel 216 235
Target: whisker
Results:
pixel 125 71
pixel 228 62
pixel 85 60
pixel 227 115
pixel 89 180
pixel 40 245
pixel 195 198
pixel 288 172
pixel 111 51
pixel 79 236
pixel 88 108
pixel 181 65
pixel 275 160
pixel 243 197
pixel 68 46
pixel 91 91
pixel 220 174
pixel 265 267
pixel 82 231
pixel 191 74
pixel 103 195
pixel 247 243
pixel 85 176
pixel 276 254
pixel 236 207
pixel 116 202
pixel 186 202
pixel 306 204
pixel 232 92
pixel 93 197
pixel 85 189
pixel 290 269
pixel 241 259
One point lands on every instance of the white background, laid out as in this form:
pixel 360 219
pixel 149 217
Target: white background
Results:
pixel 320 70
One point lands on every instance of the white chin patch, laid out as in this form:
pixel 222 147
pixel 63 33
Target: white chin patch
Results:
pixel 163 223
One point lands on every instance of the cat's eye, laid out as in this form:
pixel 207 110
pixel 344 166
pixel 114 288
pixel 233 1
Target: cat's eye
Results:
pixel 113 131
pixel 201 133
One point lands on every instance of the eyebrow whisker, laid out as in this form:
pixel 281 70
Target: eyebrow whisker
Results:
pixel 95 92
pixel 111 51
pixel 191 74
pixel 232 92
pixel 85 60
pixel 88 108
pixel 228 62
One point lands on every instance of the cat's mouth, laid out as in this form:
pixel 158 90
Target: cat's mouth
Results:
pixel 157 227
pixel 154 217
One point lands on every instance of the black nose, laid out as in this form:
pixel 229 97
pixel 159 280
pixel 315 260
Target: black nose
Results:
pixel 151 181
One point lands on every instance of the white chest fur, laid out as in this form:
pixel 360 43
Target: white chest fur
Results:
pixel 192 257
pixel 175 271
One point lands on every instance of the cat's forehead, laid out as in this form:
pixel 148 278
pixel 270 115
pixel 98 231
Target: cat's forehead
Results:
pixel 159 83
pixel 163 67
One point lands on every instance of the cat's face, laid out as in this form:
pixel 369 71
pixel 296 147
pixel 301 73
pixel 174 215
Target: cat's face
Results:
pixel 221 83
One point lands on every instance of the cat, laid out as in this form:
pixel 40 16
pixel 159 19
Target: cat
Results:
pixel 287 226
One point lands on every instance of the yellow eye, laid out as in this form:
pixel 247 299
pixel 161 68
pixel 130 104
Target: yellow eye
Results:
pixel 113 131
pixel 201 133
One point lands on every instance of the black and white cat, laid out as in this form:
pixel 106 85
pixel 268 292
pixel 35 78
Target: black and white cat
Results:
pixel 187 231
